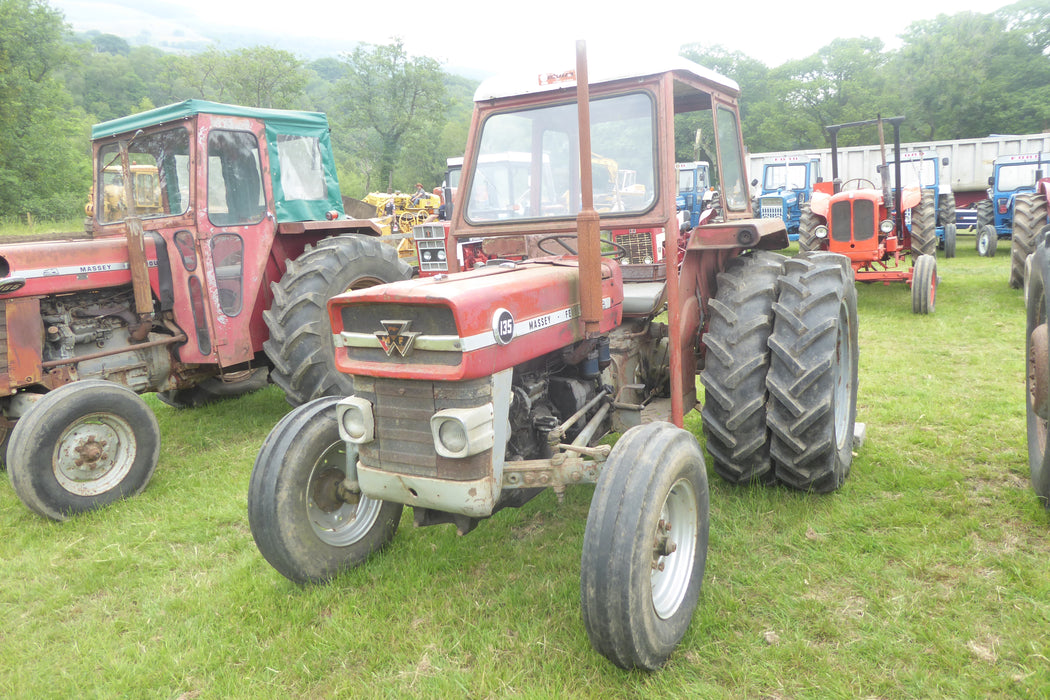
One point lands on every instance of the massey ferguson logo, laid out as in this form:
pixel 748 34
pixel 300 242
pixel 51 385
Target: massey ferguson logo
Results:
pixel 396 335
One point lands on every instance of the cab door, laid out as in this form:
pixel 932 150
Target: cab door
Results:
pixel 235 230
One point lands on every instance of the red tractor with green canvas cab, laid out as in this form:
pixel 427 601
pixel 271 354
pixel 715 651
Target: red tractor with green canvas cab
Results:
pixel 877 229
pixel 221 279
pixel 476 390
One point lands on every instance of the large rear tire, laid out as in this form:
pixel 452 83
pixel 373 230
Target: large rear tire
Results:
pixel 83 446
pixel 924 225
pixel 645 546
pixel 946 209
pixel 1038 376
pixel 1029 219
pixel 807 223
pixel 812 378
pixel 300 344
pixel 303 520
pixel 734 375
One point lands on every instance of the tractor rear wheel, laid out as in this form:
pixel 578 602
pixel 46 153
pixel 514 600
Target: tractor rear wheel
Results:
pixel 985 216
pixel 946 209
pixel 218 388
pixel 300 344
pixel 645 546
pixel 303 520
pixel 83 446
pixel 807 223
pixel 812 377
pixel 987 240
pixel 734 376
pixel 924 285
pixel 949 240
pixel 924 225
pixel 1029 219
pixel 1038 375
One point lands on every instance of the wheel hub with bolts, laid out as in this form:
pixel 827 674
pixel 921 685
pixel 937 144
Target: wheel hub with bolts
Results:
pixel 93 455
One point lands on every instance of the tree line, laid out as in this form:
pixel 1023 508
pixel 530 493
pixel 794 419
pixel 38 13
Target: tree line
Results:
pixel 396 118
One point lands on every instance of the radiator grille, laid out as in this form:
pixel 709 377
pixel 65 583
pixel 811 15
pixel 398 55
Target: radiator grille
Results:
pixel 639 245
pixel 403 442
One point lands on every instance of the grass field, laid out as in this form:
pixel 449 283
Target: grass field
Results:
pixel 926 576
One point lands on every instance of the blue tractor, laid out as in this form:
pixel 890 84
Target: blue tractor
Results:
pixel 787 185
pixel 1013 209
pixel 694 192
pixel 923 169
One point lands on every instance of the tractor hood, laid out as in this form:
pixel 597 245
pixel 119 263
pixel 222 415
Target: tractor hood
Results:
pixel 467 325
pixel 821 201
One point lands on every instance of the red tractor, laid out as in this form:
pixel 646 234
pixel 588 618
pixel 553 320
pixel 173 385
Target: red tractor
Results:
pixel 222 278
pixel 877 229
pixel 476 390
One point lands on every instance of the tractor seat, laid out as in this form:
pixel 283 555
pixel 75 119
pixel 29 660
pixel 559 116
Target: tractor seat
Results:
pixel 643 298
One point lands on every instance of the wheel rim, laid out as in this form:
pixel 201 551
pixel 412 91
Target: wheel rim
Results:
pixel 843 377
pixel 982 243
pixel 94 454
pixel 674 549
pixel 335 520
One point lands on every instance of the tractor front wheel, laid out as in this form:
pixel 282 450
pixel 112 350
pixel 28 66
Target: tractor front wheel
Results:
pixel 734 376
pixel 987 239
pixel 645 546
pixel 304 520
pixel 83 446
pixel 300 344
pixel 924 285
pixel 812 377
pixel 949 240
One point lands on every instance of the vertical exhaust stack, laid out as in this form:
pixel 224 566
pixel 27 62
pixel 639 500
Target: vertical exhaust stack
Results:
pixel 587 221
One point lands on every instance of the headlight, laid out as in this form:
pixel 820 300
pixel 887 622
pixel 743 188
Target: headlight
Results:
pixel 821 232
pixel 441 255
pixel 462 432
pixel 426 256
pixel 356 421
pixel 886 226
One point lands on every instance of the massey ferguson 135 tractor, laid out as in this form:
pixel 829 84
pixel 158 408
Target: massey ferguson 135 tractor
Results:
pixel 176 297
pixel 475 390
pixel 877 229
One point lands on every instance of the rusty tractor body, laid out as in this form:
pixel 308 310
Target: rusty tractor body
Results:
pixel 880 229
pixel 476 390
pixel 210 224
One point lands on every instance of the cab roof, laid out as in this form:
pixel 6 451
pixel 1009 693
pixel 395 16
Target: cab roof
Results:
pixel 292 121
pixel 599 71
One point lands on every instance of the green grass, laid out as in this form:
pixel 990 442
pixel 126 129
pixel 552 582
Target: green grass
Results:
pixel 925 576
pixel 22 227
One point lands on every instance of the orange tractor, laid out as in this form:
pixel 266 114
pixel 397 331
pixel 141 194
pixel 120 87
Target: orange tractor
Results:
pixel 878 229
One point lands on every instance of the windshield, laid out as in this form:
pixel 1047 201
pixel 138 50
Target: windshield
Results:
pixel 1015 176
pixel 160 177
pixel 915 172
pixel 528 161
pixel 792 177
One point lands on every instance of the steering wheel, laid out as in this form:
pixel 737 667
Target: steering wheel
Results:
pixel 618 253
pixel 858 180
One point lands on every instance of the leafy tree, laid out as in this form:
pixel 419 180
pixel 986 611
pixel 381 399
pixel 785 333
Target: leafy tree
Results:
pixel 398 98
pixel 263 76
pixel 43 161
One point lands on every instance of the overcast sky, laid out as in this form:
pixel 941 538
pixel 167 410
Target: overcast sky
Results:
pixel 495 35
